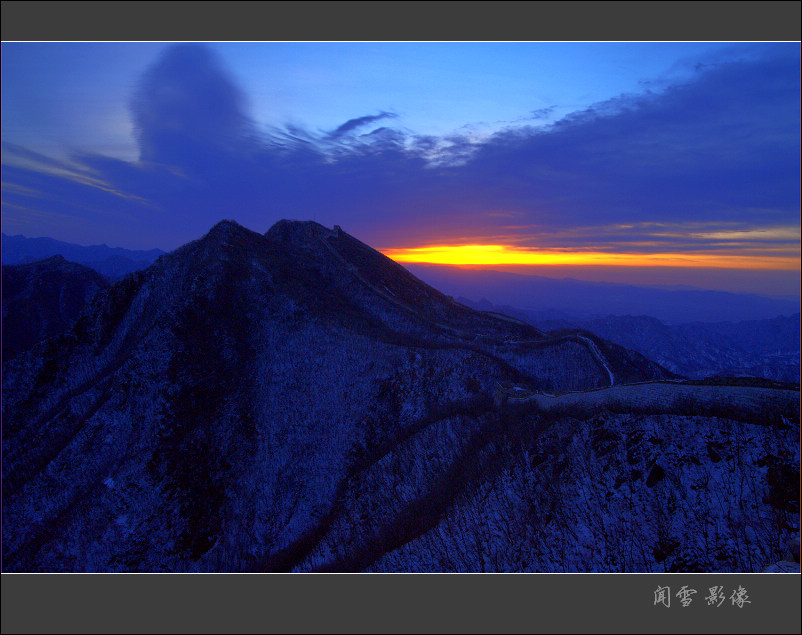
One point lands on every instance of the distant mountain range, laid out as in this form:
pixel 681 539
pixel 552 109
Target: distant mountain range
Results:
pixel 756 348
pixel 566 298
pixel 584 300
pixel 111 262
pixel 296 401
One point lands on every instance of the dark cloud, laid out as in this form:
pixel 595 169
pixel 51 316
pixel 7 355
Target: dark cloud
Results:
pixel 542 113
pixel 185 107
pixel 360 122
pixel 721 148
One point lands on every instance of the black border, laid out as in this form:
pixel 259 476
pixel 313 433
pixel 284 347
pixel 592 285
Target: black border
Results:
pixel 564 603
pixel 401 21
pixel 395 603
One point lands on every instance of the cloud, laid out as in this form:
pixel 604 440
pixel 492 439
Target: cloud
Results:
pixel 718 153
pixel 725 143
pixel 186 108
pixel 360 122
pixel 542 113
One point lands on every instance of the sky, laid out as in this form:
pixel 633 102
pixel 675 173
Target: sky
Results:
pixel 670 163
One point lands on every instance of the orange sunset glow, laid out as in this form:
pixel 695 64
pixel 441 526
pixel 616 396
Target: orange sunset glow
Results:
pixel 485 255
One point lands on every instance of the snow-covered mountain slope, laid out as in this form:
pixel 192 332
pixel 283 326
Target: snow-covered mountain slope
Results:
pixel 297 401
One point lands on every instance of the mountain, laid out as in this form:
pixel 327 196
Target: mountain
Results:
pixel 43 299
pixel 295 401
pixel 758 348
pixel 766 349
pixel 112 262
pixel 585 300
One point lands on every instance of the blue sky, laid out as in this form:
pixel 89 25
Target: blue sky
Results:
pixel 672 156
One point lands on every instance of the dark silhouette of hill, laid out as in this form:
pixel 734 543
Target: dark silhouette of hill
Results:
pixel 43 299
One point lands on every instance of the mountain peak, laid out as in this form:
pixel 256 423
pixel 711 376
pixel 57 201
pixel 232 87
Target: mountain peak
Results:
pixel 226 227
pixel 226 234
pixel 56 262
pixel 293 231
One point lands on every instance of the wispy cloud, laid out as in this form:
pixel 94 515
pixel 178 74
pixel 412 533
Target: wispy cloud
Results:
pixel 360 122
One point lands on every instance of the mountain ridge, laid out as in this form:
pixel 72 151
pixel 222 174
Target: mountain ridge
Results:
pixel 766 348
pixel 111 262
